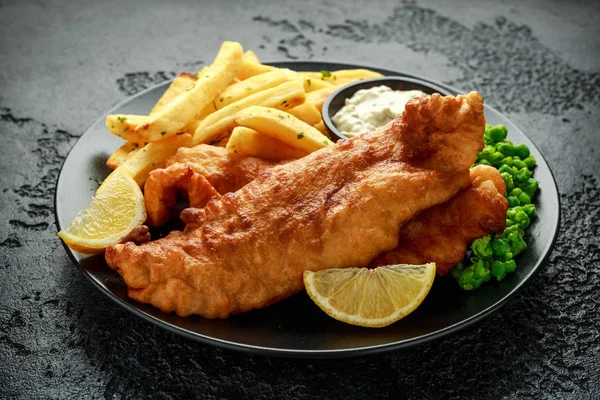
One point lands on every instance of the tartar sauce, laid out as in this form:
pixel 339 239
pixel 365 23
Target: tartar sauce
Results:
pixel 371 108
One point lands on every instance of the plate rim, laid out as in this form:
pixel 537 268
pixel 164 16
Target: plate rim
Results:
pixel 319 354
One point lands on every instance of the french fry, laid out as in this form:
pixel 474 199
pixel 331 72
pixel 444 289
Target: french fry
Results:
pixel 239 90
pixel 283 126
pixel 317 98
pixel 320 126
pixel 191 127
pixel 285 96
pixel 345 81
pixel 223 142
pixel 179 84
pixel 307 113
pixel 183 81
pixel 251 56
pixel 120 155
pixel 245 88
pixel 332 76
pixel 251 68
pixel 139 163
pixel 184 108
pixel 249 142
pixel 122 126
pixel 312 84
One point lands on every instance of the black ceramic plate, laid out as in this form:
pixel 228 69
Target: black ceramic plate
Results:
pixel 296 327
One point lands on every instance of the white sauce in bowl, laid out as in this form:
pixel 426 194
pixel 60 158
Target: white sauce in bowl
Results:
pixel 369 109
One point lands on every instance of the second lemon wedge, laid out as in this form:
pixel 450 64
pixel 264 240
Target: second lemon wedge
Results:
pixel 370 297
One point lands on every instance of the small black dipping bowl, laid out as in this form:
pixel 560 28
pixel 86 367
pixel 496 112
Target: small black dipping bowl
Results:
pixel 337 99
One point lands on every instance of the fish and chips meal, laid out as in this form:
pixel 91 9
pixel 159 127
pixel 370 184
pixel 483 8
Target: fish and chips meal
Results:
pixel 274 206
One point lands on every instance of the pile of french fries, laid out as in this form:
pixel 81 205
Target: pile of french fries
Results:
pixel 237 102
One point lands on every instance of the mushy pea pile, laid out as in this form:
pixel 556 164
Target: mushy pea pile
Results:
pixel 493 255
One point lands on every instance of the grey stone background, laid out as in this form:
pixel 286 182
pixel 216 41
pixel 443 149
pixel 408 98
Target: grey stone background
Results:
pixel 64 63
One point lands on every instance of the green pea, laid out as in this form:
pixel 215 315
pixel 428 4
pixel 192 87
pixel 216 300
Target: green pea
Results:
pixel 488 150
pixel 529 209
pixel 530 186
pixel 479 270
pixel 523 175
pixel 522 151
pixel 482 248
pixel 513 230
pixel 524 199
pixel 508 180
pixel 513 201
pixel 510 265
pixel 530 161
pixel 517 243
pixel 501 249
pixel 507 169
pixel 468 276
pixel 496 158
pixel 516 192
pixel 522 219
pixel 506 149
pixel 498 270
pixel 518 164
pixel 497 133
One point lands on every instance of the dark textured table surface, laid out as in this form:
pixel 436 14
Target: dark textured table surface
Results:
pixel 64 63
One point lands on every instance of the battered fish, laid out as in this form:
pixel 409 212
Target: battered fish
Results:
pixel 335 208
pixel 442 233
pixel 163 184
pixel 202 173
pixel 226 172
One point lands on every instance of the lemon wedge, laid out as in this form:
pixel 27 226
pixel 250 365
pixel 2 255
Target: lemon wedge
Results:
pixel 372 298
pixel 117 208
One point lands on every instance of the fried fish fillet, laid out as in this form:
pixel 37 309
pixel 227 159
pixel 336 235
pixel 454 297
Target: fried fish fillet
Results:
pixel 335 208
pixel 163 184
pixel 202 172
pixel 226 172
pixel 442 233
